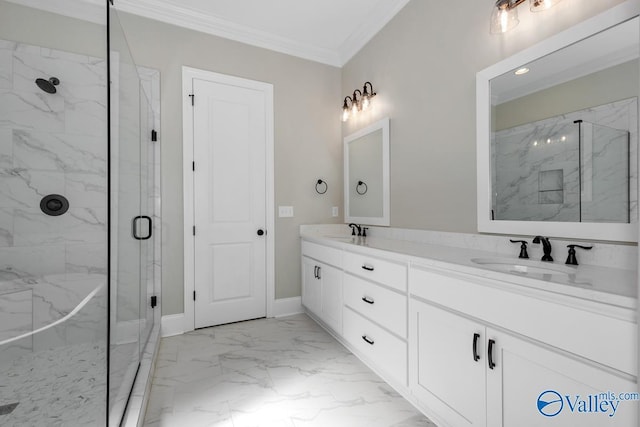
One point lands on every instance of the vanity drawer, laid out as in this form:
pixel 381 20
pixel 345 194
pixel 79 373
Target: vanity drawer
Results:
pixel 604 339
pixel 322 253
pixel 383 306
pixel 389 273
pixel 385 351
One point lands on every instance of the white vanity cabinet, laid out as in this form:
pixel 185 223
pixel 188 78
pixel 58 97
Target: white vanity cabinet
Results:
pixel 375 312
pixel 472 372
pixel 322 283
pixel 475 349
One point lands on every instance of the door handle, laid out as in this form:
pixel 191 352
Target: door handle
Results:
pixel 476 356
pixel 490 354
pixel 134 227
pixel 260 232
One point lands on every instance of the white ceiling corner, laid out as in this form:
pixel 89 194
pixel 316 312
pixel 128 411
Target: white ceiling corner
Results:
pixel 367 30
pixel 329 45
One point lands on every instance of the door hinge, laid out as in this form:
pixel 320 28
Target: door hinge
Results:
pixel 194 295
pixel 154 301
pixel 154 135
pixel 194 230
pixel 193 97
pixel 193 166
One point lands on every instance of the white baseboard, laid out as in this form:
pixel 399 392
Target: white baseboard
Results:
pixel 287 306
pixel 173 324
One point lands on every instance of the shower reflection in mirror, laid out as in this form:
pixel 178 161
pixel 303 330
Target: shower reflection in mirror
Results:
pixel 565 168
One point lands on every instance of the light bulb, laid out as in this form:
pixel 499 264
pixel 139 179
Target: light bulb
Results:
pixel 504 17
pixel 504 21
pixel 345 114
pixel 365 103
pixel 354 109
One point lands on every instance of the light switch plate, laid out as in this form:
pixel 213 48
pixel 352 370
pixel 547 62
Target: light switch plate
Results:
pixel 334 211
pixel 285 211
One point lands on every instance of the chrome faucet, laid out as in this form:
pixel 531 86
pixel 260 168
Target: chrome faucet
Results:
pixel 546 247
pixel 353 229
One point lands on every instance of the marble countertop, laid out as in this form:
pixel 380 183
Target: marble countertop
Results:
pixel 612 286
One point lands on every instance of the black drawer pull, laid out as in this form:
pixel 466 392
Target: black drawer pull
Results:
pixel 315 271
pixel 318 276
pixel 490 354
pixel 368 340
pixel 367 300
pixel 476 356
pixel 366 267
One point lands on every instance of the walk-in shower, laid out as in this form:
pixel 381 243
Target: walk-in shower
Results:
pixel 78 172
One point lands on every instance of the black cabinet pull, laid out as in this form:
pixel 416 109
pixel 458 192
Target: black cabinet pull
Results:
pixel 366 267
pixel 476 356
pixel 367 300
pixel 134 227
pixel 315 271
pixel 318 276
pixel 490 354
pixel 368 340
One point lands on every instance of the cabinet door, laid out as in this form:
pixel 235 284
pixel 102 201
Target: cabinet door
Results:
pixel 532 385
pixel 331 296
pixel 310 285
pixel 445 375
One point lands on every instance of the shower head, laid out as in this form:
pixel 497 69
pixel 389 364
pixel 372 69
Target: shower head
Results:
pixel 48 86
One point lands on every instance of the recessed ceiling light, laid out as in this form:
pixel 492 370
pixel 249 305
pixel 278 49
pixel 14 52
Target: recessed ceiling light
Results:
pixel 521 71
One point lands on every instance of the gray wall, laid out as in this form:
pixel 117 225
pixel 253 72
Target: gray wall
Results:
pixel 423 66
pixel 308 142
pixel 603 87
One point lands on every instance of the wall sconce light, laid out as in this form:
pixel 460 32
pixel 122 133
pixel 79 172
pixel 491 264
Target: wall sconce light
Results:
pixel 505 14
pixel 358 101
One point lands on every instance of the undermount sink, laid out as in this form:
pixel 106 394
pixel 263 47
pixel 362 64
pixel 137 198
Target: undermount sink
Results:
pixel 525 267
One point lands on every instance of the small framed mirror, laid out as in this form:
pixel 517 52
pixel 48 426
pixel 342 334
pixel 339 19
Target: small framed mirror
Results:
pixel 557 134
pixel 366 175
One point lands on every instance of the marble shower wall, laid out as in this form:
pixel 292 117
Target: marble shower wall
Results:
pixel 538 174
pixel 52 144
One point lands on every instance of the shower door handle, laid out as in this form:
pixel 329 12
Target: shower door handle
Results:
pixel 134 227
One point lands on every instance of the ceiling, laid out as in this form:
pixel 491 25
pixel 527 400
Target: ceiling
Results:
pixel 327 31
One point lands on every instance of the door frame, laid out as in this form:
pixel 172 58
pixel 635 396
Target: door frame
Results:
pixel 188 74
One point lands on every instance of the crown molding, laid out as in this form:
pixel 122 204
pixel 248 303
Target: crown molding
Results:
pixel 376 21
pixel 172 14
pixel 169 12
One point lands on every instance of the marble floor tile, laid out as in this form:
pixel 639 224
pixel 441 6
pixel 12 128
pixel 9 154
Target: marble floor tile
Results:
pixel 284 372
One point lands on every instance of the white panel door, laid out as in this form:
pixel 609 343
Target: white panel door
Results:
pixel 229 124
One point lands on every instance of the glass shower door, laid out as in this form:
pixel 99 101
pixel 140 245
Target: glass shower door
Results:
pixel 126 224
pixel 604 173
